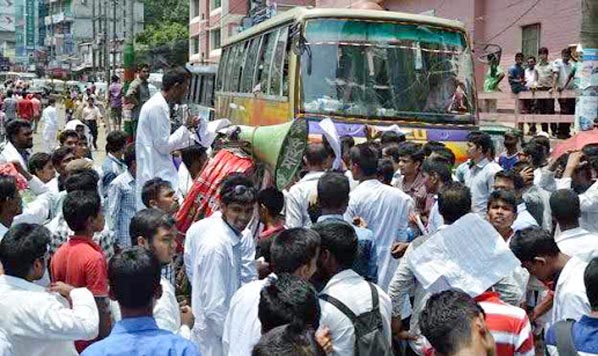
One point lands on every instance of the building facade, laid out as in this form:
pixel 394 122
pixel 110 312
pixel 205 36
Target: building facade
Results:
pixel 212 22
pixel 516 26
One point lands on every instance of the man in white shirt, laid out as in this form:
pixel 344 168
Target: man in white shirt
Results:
pixel 316 161
pixel 540 255
pixel 154 230
pixel 479 178
pixel 215 254
pixel 50 122
pixel 155 143
pixel 512 182
pixel 563 72
pixel 437 175
pixel 337 255
pixel 572 239
pixel 38 322
pixel 292 251
pixel 385 209
pixel 19 143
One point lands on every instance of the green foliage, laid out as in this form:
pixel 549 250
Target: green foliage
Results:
pixel 163 33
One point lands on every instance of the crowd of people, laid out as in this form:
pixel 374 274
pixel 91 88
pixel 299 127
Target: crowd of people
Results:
pixel 539 74
pixel 93 260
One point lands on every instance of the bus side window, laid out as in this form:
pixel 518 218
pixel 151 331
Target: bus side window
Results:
pixel 279 73
pixel 230 70
pixel 249 66
pixel 222 68
pixel 263 65
pixel 238 67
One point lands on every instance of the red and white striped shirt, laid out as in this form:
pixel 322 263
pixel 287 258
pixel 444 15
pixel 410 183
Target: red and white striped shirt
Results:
pixel 508 324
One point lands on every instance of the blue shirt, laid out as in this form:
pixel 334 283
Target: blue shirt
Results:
pixel 507 162
pixel 122 206
pixel 366 263
pixel 141 337
pixel 516 73
pixel 585 337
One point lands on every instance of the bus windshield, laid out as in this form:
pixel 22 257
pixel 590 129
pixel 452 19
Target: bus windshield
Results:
pixel 376 69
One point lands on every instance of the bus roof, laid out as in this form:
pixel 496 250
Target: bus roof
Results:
pixel 303 13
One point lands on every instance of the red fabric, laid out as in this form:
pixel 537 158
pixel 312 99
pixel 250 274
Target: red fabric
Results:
pixel 10 170
pixel 81 263
pixel 576 142
pixel 271 232
pixel 203 197
pixel 25 109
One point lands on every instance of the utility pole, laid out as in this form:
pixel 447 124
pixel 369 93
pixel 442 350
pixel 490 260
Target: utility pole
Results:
pixel 587 103
pixel 106 51
pixel 101 34
pixel 129 48
pixel 94 38
pixel 114 37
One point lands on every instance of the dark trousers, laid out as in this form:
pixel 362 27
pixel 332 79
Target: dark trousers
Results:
pixel 567 108
pixel 93 129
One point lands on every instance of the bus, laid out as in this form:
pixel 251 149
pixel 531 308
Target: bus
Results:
pixel 201 88
pixel 356 67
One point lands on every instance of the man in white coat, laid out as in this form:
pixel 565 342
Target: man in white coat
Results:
pixel 37 321
pixel 154 143
pixel 50 122
pixel 19 144
pixel 216 252
pixel 385 209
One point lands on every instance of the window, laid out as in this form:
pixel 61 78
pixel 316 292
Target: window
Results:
pixel 279 71
pixel 222 68
pixel 265 60
pixel 194 8
pixel 530 40
pixel 194 45
pixel 249 66
pixel 215 4
pixel 215 39
pixel 237 66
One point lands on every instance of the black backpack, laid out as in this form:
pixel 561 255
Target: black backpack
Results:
pixel 369 329
pixel 564 338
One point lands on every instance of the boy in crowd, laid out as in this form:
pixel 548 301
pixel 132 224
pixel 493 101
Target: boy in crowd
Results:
pixel 80 261
pixel 121 200
pixel 113 165
pixel 40 165
pixel 158 193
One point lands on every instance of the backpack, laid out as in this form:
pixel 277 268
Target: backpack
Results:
pixel 369 330
pixel 564 338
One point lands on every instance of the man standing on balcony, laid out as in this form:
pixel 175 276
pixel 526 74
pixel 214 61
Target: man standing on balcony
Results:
pixel 562 74
pixel 545 106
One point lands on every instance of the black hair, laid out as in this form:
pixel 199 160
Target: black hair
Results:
pixel 272 199
pixel 392 151
pixel 513 177
pixel 316 154
pixel 454 202
pixel 519 54
pixel 152 188
pixel 590 279
pixel 446 154
pixel 340 239
pixel 543 50
pixel 566 50
pixel 66 134
pixel 333 190
pixel 59 154
pixel 536 151
pixel 503 195
pixel 293 248
pixel 85 179
pixel 412 150
pixel 134 277
pixel 288 300
pixel 287 340
pixel 115 78
pixel 51 101
pixel 386 170
pixel 9 93
pixel 38 161
pixel 116 141
pixel 142 66
pixel 432 146
pixel 365 156
pixel 79 206
pixel 391 136
pixel 8 188
pixel 129 156
pixel 13 127
pixel 347 142
pixel 441 169
pixel 173 77
pixel 446 320
pixel 192 153
pixel 482 140
pixel 565 206
pixel 146 224
pixel 21 246
pixel 237 188
pixel 533 242
pixel 531 57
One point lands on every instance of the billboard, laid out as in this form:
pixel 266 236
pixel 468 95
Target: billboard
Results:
pixel 7 16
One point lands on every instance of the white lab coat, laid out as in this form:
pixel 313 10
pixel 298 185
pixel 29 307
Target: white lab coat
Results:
pixel 242 328
pixel 41 323
pixel 185 181
pixel 298 198
pixel 385 210
pixel 50 131
pixel 588 203
pixel 359 301
pixel 578 242
pixel 570 299
pixel 524 219
pixel 155 143
pixel 166 311
pixel 214 257
pixel 5 346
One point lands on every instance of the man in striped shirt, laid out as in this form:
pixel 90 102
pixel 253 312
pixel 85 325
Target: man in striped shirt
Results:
pixel 508 324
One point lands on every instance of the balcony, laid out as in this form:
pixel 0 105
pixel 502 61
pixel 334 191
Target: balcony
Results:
pixel 65 16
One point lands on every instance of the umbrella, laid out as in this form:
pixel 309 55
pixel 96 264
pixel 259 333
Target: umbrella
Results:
pixel 575 143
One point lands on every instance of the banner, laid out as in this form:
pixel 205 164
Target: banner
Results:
pixel 30 24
